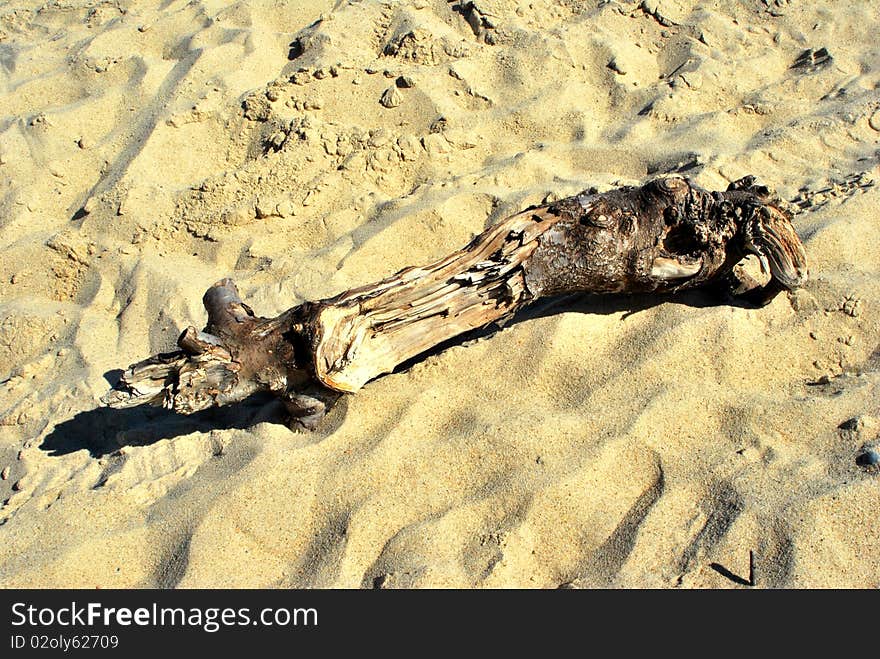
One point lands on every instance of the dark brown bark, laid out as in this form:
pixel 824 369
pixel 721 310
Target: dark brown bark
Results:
pixel 665 236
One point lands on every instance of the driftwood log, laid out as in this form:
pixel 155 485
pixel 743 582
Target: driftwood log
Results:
pixel 665 236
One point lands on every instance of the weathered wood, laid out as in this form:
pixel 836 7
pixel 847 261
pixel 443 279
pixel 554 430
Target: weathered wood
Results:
pixel 665 236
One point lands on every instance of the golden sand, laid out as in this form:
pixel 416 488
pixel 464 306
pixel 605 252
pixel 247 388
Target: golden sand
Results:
pixel 148 149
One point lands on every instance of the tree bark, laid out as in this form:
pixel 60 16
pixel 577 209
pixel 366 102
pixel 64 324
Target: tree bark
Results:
pixel 665 236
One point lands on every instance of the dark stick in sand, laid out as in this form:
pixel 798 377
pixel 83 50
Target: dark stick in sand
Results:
pixel 665 236
pixel 752 576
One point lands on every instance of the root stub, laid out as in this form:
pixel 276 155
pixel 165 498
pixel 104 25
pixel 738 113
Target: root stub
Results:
pixel 665 236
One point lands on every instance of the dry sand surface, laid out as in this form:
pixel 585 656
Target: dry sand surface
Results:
pixel 150 148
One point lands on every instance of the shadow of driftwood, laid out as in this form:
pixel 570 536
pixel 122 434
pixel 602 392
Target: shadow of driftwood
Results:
pixel 631 303
pixel 585 304
pixel 105 430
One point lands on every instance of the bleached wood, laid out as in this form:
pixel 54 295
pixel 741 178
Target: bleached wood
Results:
pixel 662 237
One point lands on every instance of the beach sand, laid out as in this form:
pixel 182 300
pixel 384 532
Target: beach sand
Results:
pixel 149 148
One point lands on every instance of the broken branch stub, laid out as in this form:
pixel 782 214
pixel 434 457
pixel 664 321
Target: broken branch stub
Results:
pixel 665 236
